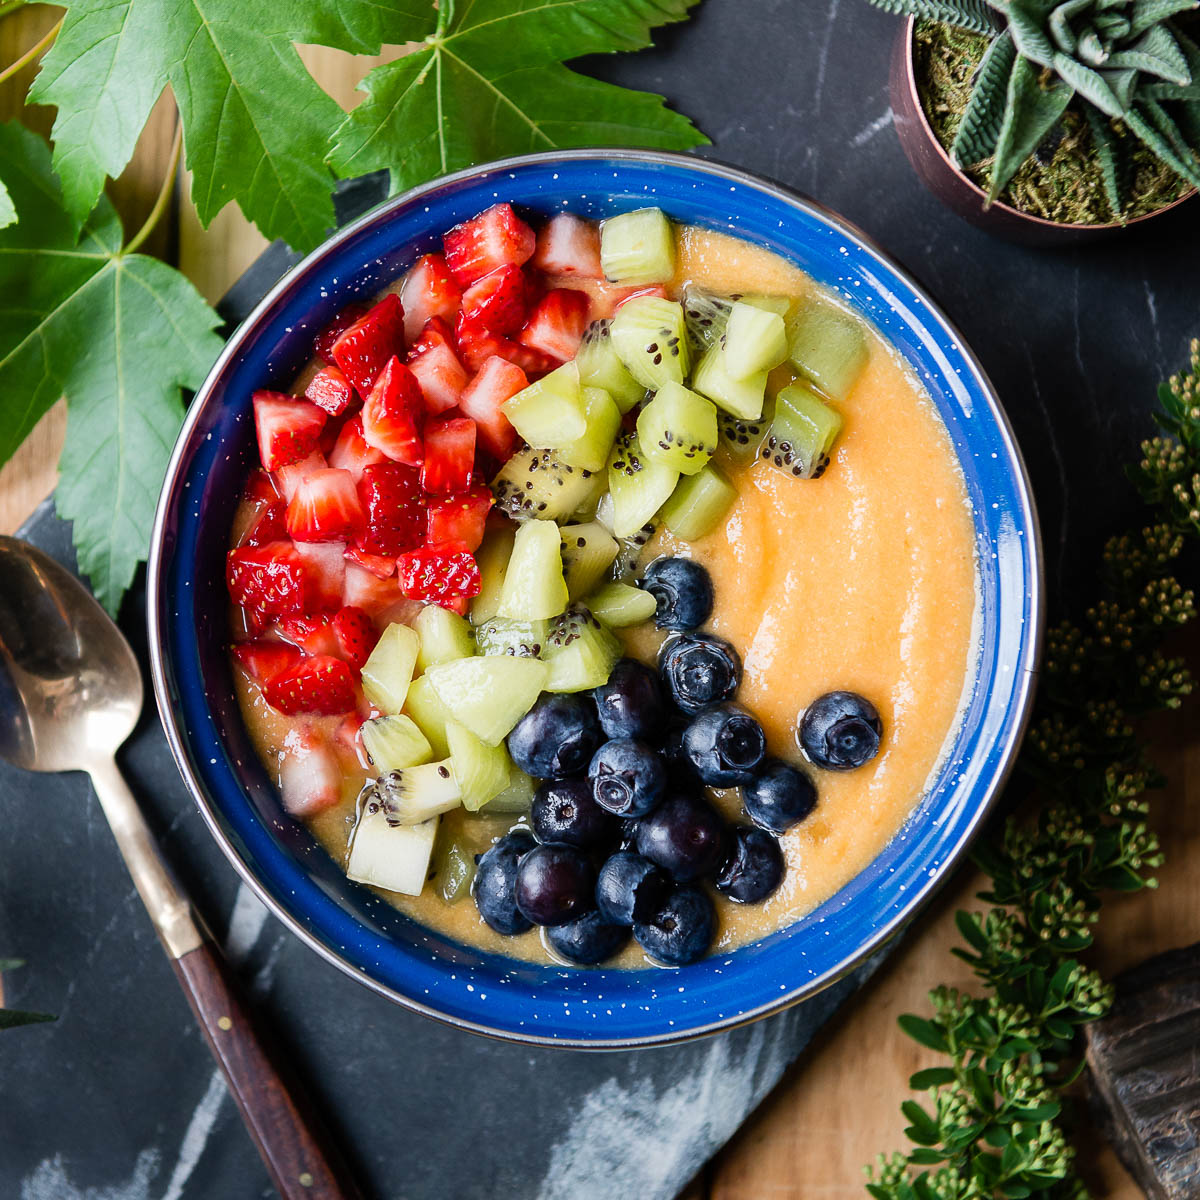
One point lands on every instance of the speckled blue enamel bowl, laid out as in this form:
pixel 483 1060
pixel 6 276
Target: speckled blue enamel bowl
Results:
pixel 362 934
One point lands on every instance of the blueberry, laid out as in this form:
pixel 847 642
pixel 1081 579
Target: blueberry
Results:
pixel 555 884
pixel 682 929
pixel 753 868
pixel 630 704
pixel 565 811
pixel 699 670
pixel 675 759
pixel 724 745
pixel 685 836
pixel 630 888
pixel 840 731
pixel 587 940
pixel 556 737
pixel 494 886
pixel 682 590
pixel 778 796
pixel 627 777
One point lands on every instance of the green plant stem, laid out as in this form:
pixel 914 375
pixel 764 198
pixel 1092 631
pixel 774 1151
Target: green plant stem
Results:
pixel 164 196
pixel 32 53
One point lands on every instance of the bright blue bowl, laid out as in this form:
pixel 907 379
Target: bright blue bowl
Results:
pixel 362 934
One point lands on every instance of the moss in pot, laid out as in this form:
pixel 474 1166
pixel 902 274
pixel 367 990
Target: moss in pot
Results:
pixel 1051 120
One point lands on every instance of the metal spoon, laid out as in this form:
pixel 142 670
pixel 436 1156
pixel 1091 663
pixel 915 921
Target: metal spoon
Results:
pixel 70 694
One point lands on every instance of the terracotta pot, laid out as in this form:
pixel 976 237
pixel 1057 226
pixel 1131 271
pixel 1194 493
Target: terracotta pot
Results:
pixel 956 191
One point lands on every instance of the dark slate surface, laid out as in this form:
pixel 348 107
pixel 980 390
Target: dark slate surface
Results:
pixel 118 1101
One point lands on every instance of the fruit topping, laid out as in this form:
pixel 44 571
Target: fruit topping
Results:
pixel 619 604
pixel 393 743
pixel 325 508
pixel 698 670
pixel 587 940
pixel 649 336
pixel 682 591
pixel 802 433
pixel 549 413
pixel 588 550
pixel 330 391
pixel 706 315
pixel 557 736
pixel 579 652
pixel 325 565
pixel 827 346
pixel 753 868
pixel 356 635
pixel 638 247
pixel 432 717
pixel 392 412
pixel 416 794
pixel 288 429
pixel 437 369
pixel 386 854
pixel 840 731
pixel 555 884
pixel 364 348
pixel 638 485
pixel 681 929
pixel 489 695
pixel 678 428
pixel 428 291
pixel 698 504
pixel 262 661
pixel 630 703
pixel 627 777
pixel 755 340
pixel 321 684
pixel 271 579
pixel 351 452
pixel 323 342
pixel 603 421
pixel 461 517
pixel 453 868
pixel 394 509
pixel 519 639
pixel 534 588
pixel 630 888
pixel 388 671
pixel 497 301
pixel 555 325
pixel 482 399
pixel 310 779
pixel 778 796
pixel 684 835
pixel 600 366
pixel 495 238
pixel 568 245
pixel 536 484
pixel 565 811
pixel 449 455
pixel 724 744
pixel 482 771
pixel 443 637
pixel 742 398
pixel 495 886
pixel 438 574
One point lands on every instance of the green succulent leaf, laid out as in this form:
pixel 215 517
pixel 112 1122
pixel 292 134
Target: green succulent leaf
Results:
pixel 973 15
pixel 1107 151
pixel 1027 31
pixel 1143 14
pixel 490 82
pixel 1060 23
pixel 1143 125
pixel 1158 54
pixel 1091 85
pixel 979 131
pixel 118 334
pixel 1030 113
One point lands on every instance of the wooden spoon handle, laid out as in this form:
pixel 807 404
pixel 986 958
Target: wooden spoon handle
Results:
pixel 299 1155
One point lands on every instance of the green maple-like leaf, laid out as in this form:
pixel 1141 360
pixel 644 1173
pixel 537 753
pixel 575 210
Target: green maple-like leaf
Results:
pixel 490 82
pixel 118 334
pixel 256 125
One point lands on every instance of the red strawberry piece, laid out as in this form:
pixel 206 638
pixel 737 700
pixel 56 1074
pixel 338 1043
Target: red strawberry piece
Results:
pixel 272 579
pixel 330 391
pixel 449 455
pixel 625 297
pixel 498 380
pixel 310 776
pixel 428 290
pixel 436 331
pixel 382 566
pixel 380 599
pixel 459 518
pixel 322 685
pixel 265 524
pixel 325 508
pixel 351 453
pixel 435 574
pixel 259 487
pixel 458 604
pixel 326 564
pixel 288 478
pixel 262 661
pixel 497 301
pixel 323 342
pixel 347 738
pixel 490 240
pixel 556 325
pixel 365 347
pixel 392 413
pixel 288 429
pixel 395 509
pixel 313 635
pixel 356 636
pixel 437 369
pixel 476 345
pixel 569 245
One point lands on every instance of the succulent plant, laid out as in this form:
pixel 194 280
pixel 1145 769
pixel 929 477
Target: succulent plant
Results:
pixel 1128 61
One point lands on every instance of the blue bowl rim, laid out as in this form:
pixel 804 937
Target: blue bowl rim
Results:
pixel 1025 670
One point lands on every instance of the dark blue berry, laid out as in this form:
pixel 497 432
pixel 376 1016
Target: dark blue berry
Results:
pixel 495 883
pixel 630 888
pixel 564 810
pixel 682 590
pixel 555 884
pixel 627 777
pixel 630 704
pixel 840 731
pixel 556 737
pixel 754 866
pixel 685 836
pixel 679 766
pixel 587 940
pixel 699 670
pixel 682 929
pixel 778 796
pixel 725 745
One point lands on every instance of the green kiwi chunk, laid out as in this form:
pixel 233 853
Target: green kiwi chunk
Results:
pixel 755 340
pixel 534 588
pixel 518 639
pixel 699 504
pixel 828 347
pixel 453 867
pixel 638 247
pixel 549 413
pixel 395 742
pixel 620 604
pixel 739 397
pixel 802 433
pixel 429 714
pixel 741 438
pixel 444 637
pixel 492 560
pixel 651 340
pixel 678 428
pixel 638 485
pixel 537 485
pixel 600 366
pixel 482 771
pixel 517 797
pixel 705 314
pixel 389 670
pixel 588 551
pixel 580 652
pixel 603 417
pixel 488 694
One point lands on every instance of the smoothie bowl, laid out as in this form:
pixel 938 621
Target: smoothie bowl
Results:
pixel 595 598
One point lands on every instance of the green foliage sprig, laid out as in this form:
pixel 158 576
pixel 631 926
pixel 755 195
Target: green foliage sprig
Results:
pixel 993 1123
pixel 10 1018
pixel 1127 63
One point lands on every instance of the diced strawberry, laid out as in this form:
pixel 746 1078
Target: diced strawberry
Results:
pixel 449 455
pixel 569 245
pixel 459 518
pixel 326 564
pixel 498 380
pixel 259 487
pixel 437 369
pixel 266 524
pixel 313 635
pixel 321 685
pixel 556 325
pixel 428 290
pixel 262 661
pixel 433 575
pixel 654 290
pixel 437 331
pixel 323 342
pixel 348 740
pixel 392 412
pixel 497 301
pixel 476 345
pixel 310 776
pixel 272 579
pixel 356 636
pixel 287 428
pixel 382 566
pixel 380 599
pixel 330 390
pixel 364 349
pixel 325 508
pixel 458 604
pixel 351 452
pixel 490 240
pixel 395 509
